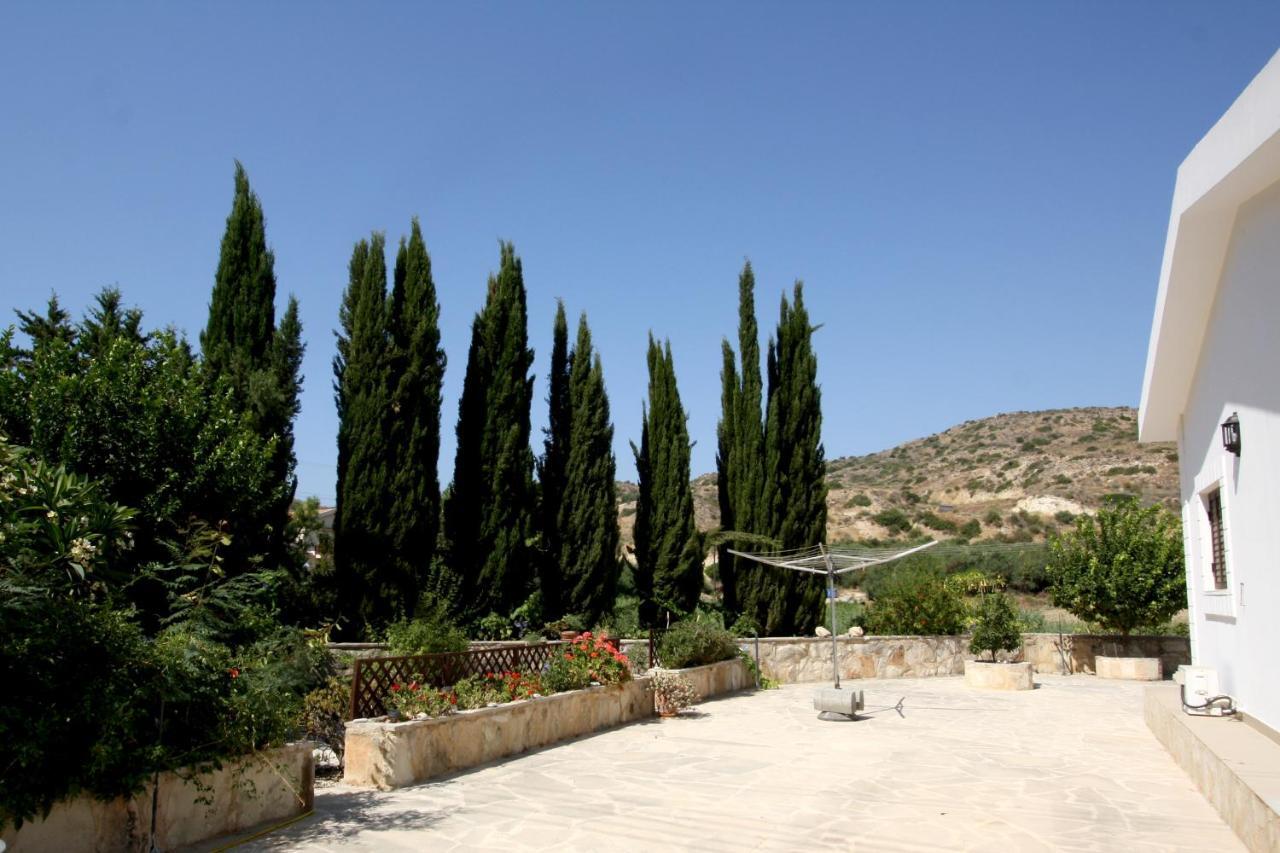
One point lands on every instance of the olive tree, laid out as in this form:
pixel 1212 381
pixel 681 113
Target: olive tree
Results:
pixel 1121 569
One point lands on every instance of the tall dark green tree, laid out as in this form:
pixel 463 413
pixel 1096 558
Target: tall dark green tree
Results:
pixel 588 518
pixel 795 487
pixel 369 595
pixel 668 558
pixel 551 469
pixel 416 365
pixel 242 347
pixel 237 339
pixel 740 455
pixel 490 508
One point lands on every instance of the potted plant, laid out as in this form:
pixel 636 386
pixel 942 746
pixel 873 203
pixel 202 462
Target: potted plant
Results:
pixel 997 630
pixel 672 692
pixel 1121 570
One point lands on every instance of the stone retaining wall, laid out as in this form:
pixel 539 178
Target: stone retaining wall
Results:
pixel 716 679
pixel 798 659
pixel 1043 650
pixel 271 786
pixel 391 755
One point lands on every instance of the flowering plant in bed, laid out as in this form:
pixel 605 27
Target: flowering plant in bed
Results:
pixel 410 700
pixel 494 688
pixel 672 692
pixel 587 660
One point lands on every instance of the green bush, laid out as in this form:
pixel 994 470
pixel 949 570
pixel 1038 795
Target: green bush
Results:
pixel 860 499
pixel 426 635
pixel 971 529
pixel 1122 568
pixel 691 643
pixel 893 519
pixel 917 601
pixel 997 627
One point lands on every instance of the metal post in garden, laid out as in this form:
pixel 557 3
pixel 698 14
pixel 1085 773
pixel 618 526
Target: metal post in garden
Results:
pixel 831 606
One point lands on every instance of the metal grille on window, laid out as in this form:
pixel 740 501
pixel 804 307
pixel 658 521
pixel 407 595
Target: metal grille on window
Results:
pixel 1219 564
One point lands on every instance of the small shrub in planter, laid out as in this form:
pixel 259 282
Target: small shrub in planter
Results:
pixel 672 692
pixel 997 628
pixel 692 643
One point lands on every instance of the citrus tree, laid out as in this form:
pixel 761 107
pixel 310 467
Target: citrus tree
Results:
pixel 996 627
pixel 1121 569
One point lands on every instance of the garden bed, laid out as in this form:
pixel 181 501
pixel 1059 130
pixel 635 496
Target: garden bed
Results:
pixel 268 787
pixel 387 755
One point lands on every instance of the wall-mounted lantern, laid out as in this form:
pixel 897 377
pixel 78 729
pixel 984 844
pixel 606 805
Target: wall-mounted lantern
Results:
pixel 1231 433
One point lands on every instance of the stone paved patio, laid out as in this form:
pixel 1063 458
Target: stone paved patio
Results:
pixel 1069 766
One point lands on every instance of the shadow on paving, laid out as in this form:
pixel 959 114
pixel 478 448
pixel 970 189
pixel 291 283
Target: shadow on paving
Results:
pixel 347 814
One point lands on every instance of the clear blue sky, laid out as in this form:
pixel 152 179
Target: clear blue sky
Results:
pixel 975 194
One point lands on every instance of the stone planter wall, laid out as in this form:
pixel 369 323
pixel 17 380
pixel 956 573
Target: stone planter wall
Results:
pixel 391 755
pixel 797 659
pixel 272 786
pixel 1042 650
pixel 999 676
pixel 716 679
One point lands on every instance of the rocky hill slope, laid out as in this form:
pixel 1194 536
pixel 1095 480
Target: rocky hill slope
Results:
pixel 1009 478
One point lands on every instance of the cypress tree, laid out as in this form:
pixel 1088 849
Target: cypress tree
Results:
pixel 551 469
pixel 415 375
pixel 369 596
pixel 588 520
pixel 795 488
pixel 489 513
pixel 740 456
pixel 668 559
pixel 237 339
pixel 261 363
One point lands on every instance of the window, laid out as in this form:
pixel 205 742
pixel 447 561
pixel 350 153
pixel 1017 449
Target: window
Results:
pixel 1213 507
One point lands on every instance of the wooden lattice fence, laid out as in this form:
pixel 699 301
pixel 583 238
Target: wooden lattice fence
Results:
pixel 372 677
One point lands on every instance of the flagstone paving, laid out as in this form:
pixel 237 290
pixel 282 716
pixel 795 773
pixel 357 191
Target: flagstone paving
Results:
pixel 1068 766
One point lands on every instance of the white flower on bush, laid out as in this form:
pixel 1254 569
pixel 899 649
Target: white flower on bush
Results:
pixel 82 551
pixel 52 515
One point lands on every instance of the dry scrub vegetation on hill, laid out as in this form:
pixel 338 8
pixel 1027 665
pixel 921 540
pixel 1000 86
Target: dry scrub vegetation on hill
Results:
pixel 1009 478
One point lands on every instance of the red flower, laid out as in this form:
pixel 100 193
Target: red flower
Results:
pixel 595 654
pixel 568 656
pixel 395 688
pixel 234 672
pixel 586 635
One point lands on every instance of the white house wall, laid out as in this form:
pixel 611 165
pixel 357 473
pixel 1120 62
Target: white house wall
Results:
pixel 1239 371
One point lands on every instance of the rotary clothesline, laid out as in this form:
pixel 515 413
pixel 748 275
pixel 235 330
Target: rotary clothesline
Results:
pixel 821 560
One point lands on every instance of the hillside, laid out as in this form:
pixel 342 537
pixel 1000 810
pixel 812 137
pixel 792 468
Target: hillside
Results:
pixel 1010 478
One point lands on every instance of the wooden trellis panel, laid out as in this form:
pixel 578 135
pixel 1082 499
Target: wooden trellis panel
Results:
pixel 372 677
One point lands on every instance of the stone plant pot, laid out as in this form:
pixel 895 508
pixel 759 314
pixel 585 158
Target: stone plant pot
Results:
pixel 568 636
pixel 663 707
pixel 999 676
pixel 1133 669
